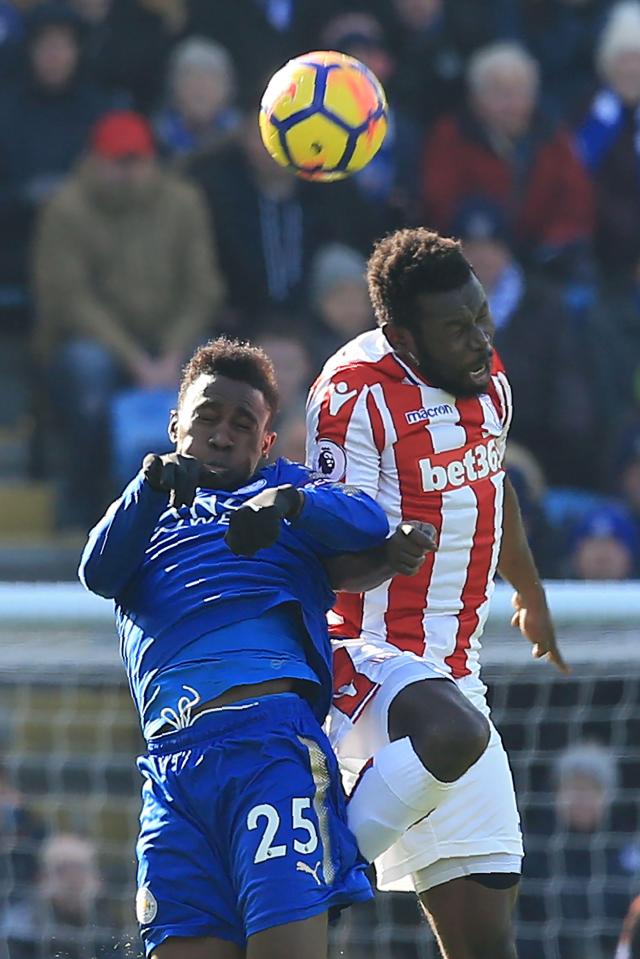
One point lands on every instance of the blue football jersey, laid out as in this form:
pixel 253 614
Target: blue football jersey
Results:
pixel 178 587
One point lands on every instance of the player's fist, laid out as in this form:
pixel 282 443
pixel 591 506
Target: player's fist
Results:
pixel 176 474
pixel 407 548
pixel 256 524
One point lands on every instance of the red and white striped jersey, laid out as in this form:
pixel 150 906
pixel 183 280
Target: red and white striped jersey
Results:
pixel 422 454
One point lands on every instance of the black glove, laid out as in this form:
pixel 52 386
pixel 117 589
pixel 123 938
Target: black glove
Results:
pixel 177 474
pixel 256 524
pixel 408 547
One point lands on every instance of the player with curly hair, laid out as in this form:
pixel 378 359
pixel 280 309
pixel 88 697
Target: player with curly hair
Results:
pixel 219 564
pixel 416 413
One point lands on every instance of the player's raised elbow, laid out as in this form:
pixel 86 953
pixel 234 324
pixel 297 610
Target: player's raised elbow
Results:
pixel 96 579
pixel 377 527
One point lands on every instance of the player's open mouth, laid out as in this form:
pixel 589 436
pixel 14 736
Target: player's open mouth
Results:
pixel 482 374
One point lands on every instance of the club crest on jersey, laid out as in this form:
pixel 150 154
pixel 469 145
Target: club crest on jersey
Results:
pixel 428 413
pixel 330 460
pixel 146 906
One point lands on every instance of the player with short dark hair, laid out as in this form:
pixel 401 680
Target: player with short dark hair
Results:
pixel 407 263
pixel 401 268
pixel 217 565
pixel 416 413
pixel 235 359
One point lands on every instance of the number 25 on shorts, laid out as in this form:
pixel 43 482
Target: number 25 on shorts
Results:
pixel 267 817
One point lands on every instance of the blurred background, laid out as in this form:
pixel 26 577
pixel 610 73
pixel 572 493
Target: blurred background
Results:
pixel 140 214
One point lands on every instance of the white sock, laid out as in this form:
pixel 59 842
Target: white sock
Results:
pixel 393 793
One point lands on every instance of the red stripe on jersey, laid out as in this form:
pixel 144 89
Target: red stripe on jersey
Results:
pixel 377 426
pixel 350 608
pixel 333 417
pixel 494 393
pixel 471 415
pixel 337 405
pixel 407 595
pixel 474 590
pixel 370 371
pixel 497 366
pixel 496 399
pixel 345 675
pixel 333 425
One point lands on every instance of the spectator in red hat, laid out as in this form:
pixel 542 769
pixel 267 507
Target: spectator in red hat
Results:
pixel 126 282
pixel 122 134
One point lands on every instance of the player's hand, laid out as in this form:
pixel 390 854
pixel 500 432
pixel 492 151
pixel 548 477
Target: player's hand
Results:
pixel 257 523
pixel 533 619
pixel 176 474
pixel 407 548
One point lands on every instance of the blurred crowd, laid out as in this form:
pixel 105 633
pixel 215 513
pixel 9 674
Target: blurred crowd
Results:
pixel 140 214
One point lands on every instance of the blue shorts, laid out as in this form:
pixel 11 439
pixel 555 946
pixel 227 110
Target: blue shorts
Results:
pixel 243 825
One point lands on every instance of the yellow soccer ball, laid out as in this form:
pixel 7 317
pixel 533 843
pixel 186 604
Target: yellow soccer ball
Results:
pixel 323 114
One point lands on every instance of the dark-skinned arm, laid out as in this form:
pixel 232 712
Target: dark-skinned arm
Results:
pixel 517 566
pixel 403 553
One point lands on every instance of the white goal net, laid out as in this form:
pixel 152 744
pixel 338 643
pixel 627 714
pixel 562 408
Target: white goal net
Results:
pixel 69 736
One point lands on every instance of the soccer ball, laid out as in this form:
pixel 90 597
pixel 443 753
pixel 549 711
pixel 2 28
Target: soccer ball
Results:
pixel 323 114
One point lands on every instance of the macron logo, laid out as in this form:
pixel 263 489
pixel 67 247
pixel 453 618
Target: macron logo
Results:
pixel 419 416
pixel 340 394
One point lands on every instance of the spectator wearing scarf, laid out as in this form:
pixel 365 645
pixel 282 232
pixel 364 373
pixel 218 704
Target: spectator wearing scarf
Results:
pixel 199 113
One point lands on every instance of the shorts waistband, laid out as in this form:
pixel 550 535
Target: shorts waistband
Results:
pixel 219 720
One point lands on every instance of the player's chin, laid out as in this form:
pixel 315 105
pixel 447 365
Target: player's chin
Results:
pixel 473 384
pixel 220 478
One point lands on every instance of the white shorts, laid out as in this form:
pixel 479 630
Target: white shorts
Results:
pixel 476 829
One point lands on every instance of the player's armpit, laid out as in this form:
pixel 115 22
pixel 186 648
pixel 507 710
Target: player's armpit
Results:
pixel 358 572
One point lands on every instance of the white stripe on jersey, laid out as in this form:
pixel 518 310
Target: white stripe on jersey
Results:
pixel 376 600
pixel 501 379
pixel 363 468
pixel 455 541
pixel 456 537
pixel 473 653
